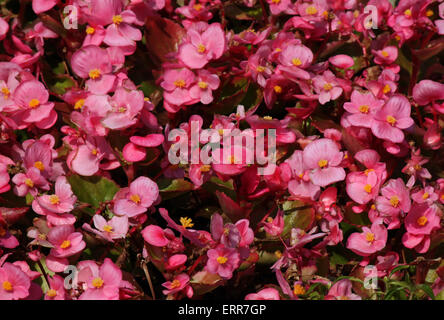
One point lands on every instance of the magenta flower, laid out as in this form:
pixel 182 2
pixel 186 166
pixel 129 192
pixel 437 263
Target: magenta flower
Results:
pixel 322 157
pixel 386 56
pixel 362 108
pixel 66 242
pixel 278 6
pixel 294 58
pixel 179 283
pixel 222 261
pixel 202 46
pixel 369 241
pixel 206 83
pixel 395 198
pixel 15 284
pixel 137 198
pixel 31 182
pixel 392 118
pixel 155 236
pixel 428 91
pixel 342 290
pixel 56 289
pixel 40 6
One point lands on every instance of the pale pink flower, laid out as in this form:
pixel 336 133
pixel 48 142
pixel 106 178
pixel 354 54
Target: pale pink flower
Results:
pixel 327 86
pixel 362 108
pixel 206 83
pixel 15 284
pixel 56 289
pixel 115 228
pixel 369 241
pixel 62 200
pixel 65 241
pixel 222 261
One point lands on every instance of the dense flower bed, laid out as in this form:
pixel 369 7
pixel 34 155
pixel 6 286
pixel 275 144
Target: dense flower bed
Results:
pixel 349 93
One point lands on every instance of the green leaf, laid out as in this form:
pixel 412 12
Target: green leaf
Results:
pixel 298 218
pixel 427 290
pixel 93 190
pixel 399 268
pixel 62 85
pixel 173 188
pixel 440 296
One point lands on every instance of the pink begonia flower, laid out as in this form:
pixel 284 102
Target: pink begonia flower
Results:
pixel 206 83
pixel 126 105
pixel 257 66
pixel 93 63
pixel 94 36
pixel 395 198
pixel 362 108
pixel 177 84
pixel 440 22
pixel 29 182
pixel 342 290
pixel 62 200
pixel 264 294
pixel 362 188
pixel 120 31
pixel 195 11
pixel 322 157
pixel 136 198
pixel 420 222
pixel 102 282
pixel 31 98
pixel 4 28
pixel 66 242
pixel 155 236
pixel 40 6
pixel 386 56
pixel 4 174
pixel 275 226
pixel 135 150
pixel 426 195
pixel 392 118
pixel 369 241
pixel 179 283
pixel 295 58
pixel 428 91
pixel 115 228
pixel 56 289
pixel 176 261
pixel 327 87
pixel 342 61
pixel 278 6
pixel 203 46
pixel 222 261
pixel 15 284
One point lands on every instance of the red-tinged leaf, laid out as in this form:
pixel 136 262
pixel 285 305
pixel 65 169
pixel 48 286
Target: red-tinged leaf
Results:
pixel 231 208
pixel 12 215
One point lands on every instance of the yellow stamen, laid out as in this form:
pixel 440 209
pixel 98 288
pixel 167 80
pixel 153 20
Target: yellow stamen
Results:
pixel 29 182
pixel 79 104
pixel 298 289
pixel 122 110
pixel 205 168
pixel 260 69
pixel 222 260
pixel 108 228
pixel 394 201
pixel 322 163
pixel 202 85
pixel 197 7
pixel 90 30
pixel 370 237
pixel 328 87
pixel 384 54
pixel 269 219
pixel 311 10
pixel 368 188
pixel 386 89
pixel 94 152
pixel 278 254
pixel 54 199
pixel 175 284
pixel 268 118
pixel 429 13
pixel 94 74
pixel 51 293
pixel 201 48
pixel 7 286
pixel 277 89
pixel 276 1
pixel 6 92
pixel 117 20
pixel 180 83
pixel 186 222
pixel 421 221
pixel 34 103
pixel 364 108
pixel 391 120
pixel 408 12
pixel 135 198
pixel 97 282
pixel 425 195
pixel 39 165
pixel 296 61
pixel 367 171
pixel 65 244
pixel 417 167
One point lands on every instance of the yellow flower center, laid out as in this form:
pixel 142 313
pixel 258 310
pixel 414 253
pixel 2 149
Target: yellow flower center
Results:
pixel 276 1
pixel 384 54
pixel 54 199
pixel 79 104
pixel 34 103
pixel 29 182
pixel 425 195
pixel 296 61
pixel 364 108
pixel 268 118
pixel 42 236
pixel 328 87
pixel 298 289
pixel 180 83
pixel 408 12
pixel 222 260
pixel 367 171
pixel 311 10
pixel 322 163
pixel 391 120
pixel 370 237
pixel 39 165
pixel 325 14
pixel 429 13
pixel 232 160
pixel 108 228
pixel 117 20
pixel 90 30
pixel 65 244
pixel 278 254
pixel 417 167
pixel 197 7
pixel 277 89
pixel 175 284
pixel 368 188
pixel 6 92
pixel 386 89
pixel 205 168
pixel 260 69
pixel 94 152
pixel 94 74
pixel 422 221
pixel 2 231
pixel 202 84
pixel 201 48
pixel 135 198
pixel 7 286
pixel 97 282
pixel 51 293
pixel 186 222
pixel 221 132
pixel 394 201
